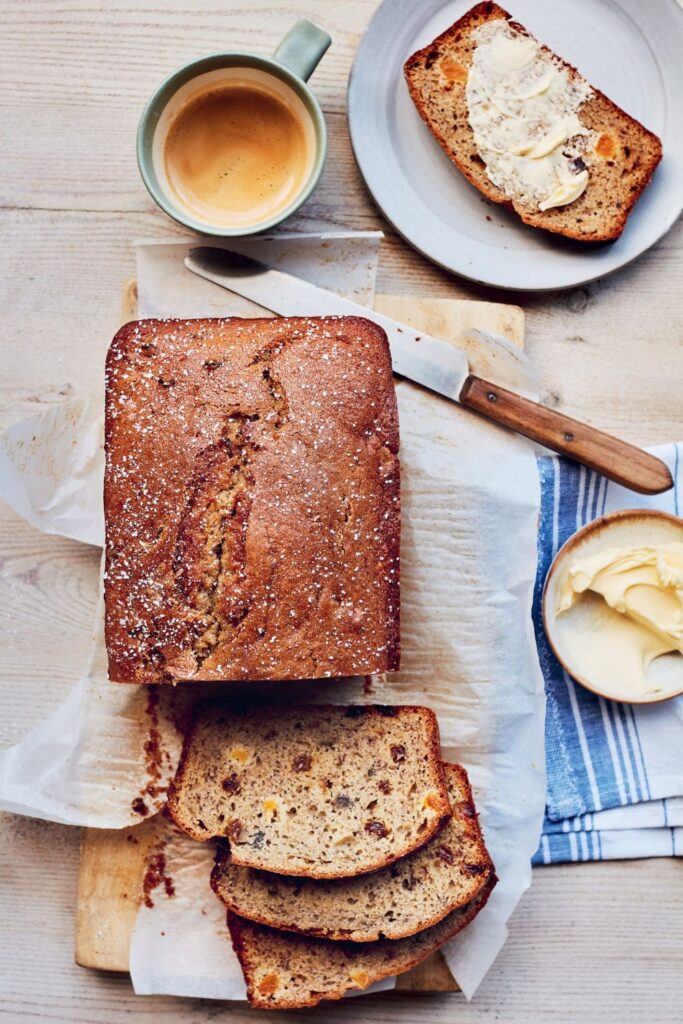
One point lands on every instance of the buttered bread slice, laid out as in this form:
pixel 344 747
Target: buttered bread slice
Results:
pixel 285 971
pixel 400 900
pixel 320 791
pixel 528 130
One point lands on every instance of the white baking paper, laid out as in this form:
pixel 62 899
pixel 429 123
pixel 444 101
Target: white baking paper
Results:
pixel 195 960
pixel 52 467
pixel 343 263
pixel 470 504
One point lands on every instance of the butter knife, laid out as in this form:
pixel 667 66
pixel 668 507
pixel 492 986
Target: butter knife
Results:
pixel 440 367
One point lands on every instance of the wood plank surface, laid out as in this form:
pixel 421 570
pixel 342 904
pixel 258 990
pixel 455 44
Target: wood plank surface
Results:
pixel 112 863
pixel 110 890
pixel 596 942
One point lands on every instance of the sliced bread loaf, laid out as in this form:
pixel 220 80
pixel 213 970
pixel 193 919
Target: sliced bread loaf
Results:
pixel 608 153
pixel 321 791
pixel 397 901
pixel 286 971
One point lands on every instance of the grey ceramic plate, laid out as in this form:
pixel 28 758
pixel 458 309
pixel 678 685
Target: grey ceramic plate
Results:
pixel 630 49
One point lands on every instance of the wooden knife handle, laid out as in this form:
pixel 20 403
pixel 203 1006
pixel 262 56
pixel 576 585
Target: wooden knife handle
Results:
pixel 615 459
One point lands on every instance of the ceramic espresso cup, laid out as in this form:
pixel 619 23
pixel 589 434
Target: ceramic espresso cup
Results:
pixel 233 143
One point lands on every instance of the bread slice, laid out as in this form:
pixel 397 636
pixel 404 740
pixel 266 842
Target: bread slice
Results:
pixel 321 791
pixel 285 971
pixel 404 898
pixel 620 159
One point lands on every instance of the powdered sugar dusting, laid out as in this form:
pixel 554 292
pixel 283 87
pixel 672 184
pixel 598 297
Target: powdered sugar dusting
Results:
pixel 252 500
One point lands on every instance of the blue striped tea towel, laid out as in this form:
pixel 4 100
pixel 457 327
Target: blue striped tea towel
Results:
pixel 615 771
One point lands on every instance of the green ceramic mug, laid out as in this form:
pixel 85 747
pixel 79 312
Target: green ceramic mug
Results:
pixel 285 73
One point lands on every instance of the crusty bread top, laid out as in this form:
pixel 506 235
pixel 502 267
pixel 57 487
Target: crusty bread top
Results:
pixel 620 163
pixel 406 897
pixel 251 500
pixel 320 791
pixel 286 971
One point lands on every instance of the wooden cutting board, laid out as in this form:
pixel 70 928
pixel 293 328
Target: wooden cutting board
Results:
pixel 113 863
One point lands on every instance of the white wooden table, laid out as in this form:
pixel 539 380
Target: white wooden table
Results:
pixel 592 942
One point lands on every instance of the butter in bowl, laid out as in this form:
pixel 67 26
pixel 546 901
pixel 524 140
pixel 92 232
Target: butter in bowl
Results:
pixel 613 606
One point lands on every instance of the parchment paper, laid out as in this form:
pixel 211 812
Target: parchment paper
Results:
pixel 470 504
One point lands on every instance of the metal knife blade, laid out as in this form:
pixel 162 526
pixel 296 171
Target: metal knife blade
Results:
pixel 441 368
pixel 414 354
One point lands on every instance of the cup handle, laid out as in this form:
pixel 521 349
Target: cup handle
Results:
pixel 302 48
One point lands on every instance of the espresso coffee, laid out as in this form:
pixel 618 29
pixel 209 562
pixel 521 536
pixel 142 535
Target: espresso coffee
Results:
pixel 237 154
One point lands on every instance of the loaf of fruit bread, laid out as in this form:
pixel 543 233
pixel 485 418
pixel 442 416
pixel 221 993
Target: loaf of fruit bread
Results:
pixel 408 896
pixel 320 791
pixel 251 500
pixel 528 130
pixel 286 971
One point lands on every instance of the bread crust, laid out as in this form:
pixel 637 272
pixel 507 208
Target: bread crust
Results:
pixel 244 855
pixel 479 866
pixel 252 471
pixel 598 107
pixel 248 937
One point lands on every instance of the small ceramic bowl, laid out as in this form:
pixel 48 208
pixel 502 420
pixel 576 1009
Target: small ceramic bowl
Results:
pixel 628 528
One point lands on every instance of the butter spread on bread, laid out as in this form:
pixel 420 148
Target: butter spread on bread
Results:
pixel 523 108
pixel 578 172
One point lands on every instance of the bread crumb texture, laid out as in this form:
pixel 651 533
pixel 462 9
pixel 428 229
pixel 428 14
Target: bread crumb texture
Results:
pixel 287 971
pixel 400 900
pixel 252 500
pixel 323 796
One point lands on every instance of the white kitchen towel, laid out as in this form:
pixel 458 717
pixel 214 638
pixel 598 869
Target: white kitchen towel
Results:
pixel 615 771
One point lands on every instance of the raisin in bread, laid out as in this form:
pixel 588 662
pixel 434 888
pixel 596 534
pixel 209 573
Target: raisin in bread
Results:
pixel 251 500
pixel 287 971
pixel 616 152
pixel 406 897
pixel 320 791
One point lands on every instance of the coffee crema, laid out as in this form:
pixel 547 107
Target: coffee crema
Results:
pixel 237 155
